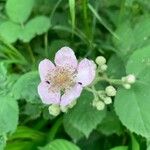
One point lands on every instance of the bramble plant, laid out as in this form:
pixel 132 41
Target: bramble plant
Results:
pixel 74 75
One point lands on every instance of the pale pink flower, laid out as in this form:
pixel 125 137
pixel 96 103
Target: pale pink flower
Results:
pixel 63 82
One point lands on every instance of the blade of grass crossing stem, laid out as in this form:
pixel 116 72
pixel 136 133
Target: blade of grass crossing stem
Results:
pixel 85 15
pixel 101 21
pixel 54 9
pixel 72 12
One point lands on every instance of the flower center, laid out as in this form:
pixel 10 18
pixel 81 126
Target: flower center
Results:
pixel 61 78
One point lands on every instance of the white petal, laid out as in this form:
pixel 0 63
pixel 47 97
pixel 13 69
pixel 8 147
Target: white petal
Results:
pixel 45 67
pixel 71 95
pixel 47 95
pixel 65 57
pixel 86 72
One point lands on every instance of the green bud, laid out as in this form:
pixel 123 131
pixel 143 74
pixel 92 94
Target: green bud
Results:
pixel 127 86
pixel 54 109
pixel 130 79
pixel 110 91
pixel 64 108
pixel 100 105
pixel 100 60
pixel 103 68
pixel 108 100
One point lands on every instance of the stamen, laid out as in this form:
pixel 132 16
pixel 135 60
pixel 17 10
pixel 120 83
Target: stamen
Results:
pixel 61 79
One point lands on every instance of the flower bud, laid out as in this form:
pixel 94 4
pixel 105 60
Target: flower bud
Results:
pixel 72 104
pixel 100 60
pixel 54 109
pixel 108 100
pixel 64 108
pixel 124 79
pixel 130 79
pixel 103 68
pixel 110 91
pixel 100 105
pixel 94 103
pixel 127 86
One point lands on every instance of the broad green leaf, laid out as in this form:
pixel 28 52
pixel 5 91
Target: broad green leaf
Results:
pixel 120 148
pixel 26 87
pixel 110 125
pixel 89 117
pixel 73 132
pixel 2 141
pixel 8 114
pixel 24 132
pixel 125 44
pixel 32 110
pixel 132 106
pixel 60 144
pixel 19 10
pixel 35 26
pixel 21 145
pixel 116 67
pixel 142 32
pixel 10 31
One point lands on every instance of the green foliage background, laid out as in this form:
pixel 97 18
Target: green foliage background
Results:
pixel 31 30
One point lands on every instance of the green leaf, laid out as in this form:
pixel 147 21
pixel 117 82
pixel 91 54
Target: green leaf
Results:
pixel 110 125
pixel 120 148
pixel 135 144
pixel 73 132
pixel 2 141
pixel 24 132
pixel 116 67
pixel 32 110
pixel 148 144
pixel 142 32
pixel 125 44
pixel 19 10
pixel 60 144
pixel 35 26
pixel 26 87
pixel 89 117
pixel 132 106
pixel 21 145
pixel 10 31
pixel 8 114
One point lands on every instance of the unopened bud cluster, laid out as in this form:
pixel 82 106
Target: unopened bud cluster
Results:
pixel 55 109
pixel 128 81
pixel 101 61
pixel 104 98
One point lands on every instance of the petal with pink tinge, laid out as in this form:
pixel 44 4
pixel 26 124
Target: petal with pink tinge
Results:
pixel 86 72
pixel 71 95
pixel 65 57
pixel 45 67
pixel 47 95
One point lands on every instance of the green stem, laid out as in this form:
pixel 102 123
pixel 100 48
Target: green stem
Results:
pixel 54 129
pixel 46 44
pixel 13 51
pixel 30 52
pixel 111 81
